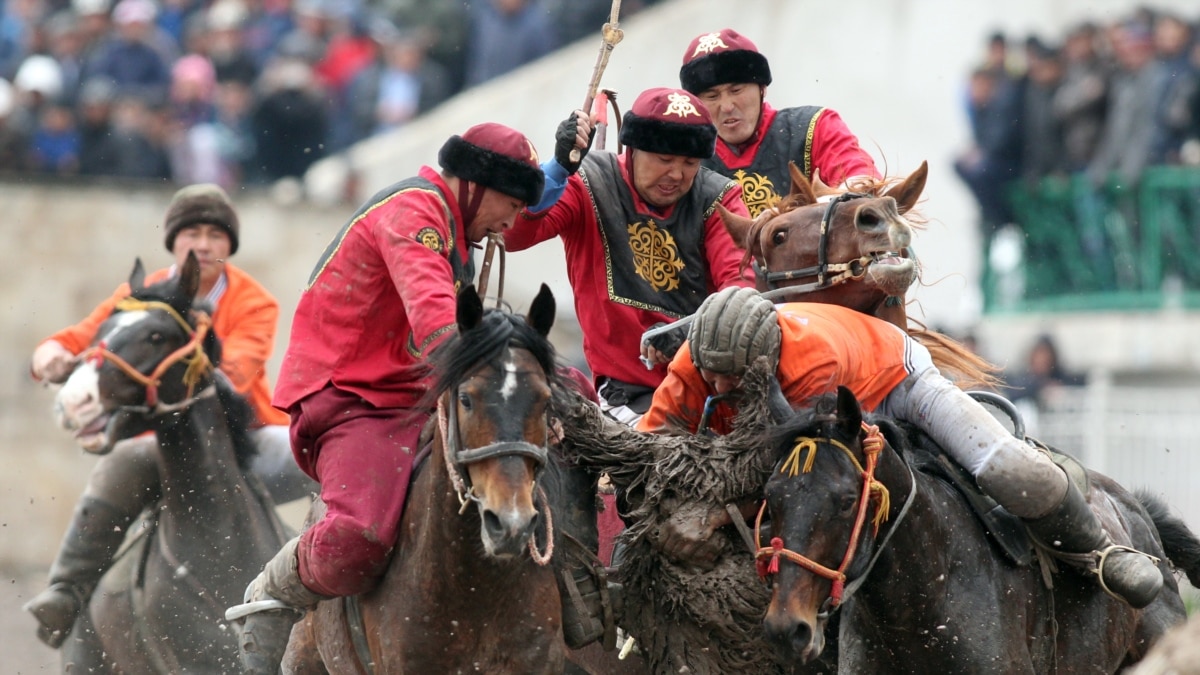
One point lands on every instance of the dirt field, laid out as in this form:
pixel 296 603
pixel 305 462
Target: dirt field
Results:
pixel 20 650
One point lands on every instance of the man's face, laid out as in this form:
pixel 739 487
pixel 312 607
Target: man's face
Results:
pixel 496 213
pixel 735 109
pixel 721 383
pixel 662 180
pixel 211 245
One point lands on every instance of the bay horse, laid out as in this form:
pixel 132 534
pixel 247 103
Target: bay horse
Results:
pixel 849 247
pixel 860 527
pixel 469 587
pixel 160 608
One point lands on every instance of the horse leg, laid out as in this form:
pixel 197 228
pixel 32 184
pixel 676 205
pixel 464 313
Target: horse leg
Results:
pixel 302 656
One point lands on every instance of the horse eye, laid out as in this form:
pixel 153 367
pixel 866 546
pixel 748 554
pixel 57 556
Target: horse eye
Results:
pixel 464 400
pixel 847 503
pixel 778 237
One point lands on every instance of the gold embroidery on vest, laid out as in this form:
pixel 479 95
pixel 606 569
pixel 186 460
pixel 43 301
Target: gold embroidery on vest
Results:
pixel 758 192
pixel 655 255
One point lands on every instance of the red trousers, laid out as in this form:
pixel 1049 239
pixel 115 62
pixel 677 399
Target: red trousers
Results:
pixel 363 458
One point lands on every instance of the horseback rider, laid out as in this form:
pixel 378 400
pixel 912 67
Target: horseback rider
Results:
pixel 816 347
pixel 756 142
pixel 354 376
pixel 201 220
pixel 644 242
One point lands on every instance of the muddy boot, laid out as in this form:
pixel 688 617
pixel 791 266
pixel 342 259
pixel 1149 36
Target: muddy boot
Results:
pixel 274 602
pixel 92 539
pixel 1072 531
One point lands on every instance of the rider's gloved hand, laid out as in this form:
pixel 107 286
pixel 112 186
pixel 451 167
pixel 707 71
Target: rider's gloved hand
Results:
pixel 52 362
pixel 574 133
pixel 669 342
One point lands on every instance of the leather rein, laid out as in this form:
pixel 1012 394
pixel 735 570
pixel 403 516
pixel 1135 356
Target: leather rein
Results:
pixel 843 272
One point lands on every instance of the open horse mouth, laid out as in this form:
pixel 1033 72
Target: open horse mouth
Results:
pixel 93 437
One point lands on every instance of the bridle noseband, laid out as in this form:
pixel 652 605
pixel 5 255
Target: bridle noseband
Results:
pixel 847 271
pixel 198 364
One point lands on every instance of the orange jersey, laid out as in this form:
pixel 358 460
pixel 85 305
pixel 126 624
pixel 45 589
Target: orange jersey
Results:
pixel 245 321
pixel 822 346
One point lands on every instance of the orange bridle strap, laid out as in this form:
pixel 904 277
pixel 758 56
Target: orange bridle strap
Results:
pixel 767 557
pixel 198 366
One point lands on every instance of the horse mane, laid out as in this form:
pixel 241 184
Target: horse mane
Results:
pixel 464 352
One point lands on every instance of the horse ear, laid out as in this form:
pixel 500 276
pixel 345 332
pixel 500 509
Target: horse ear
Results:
pixel 849 413
pixel 189 277
pixel 541 312
pixel 137 277
pixel 907 193
pixel 737 226
pixel 801 191
pixel 469 311
pixel 819 188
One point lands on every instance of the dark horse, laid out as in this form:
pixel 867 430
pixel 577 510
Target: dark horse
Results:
pixel 858 526
pixel 160 609
pixel 849 248
pixel 469 588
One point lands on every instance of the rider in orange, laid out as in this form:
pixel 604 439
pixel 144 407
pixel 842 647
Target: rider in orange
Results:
pixel 200 219
pixel 817 347
pixel 729 75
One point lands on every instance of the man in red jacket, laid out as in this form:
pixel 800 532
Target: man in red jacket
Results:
pixel 644 242
pixel 727 72
pixel 200 220
pixel 380 298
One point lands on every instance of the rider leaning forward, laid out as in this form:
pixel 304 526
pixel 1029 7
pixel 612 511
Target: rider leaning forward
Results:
pixel 201 220
pixel 755 141
pixel 644 242
pixel 816 347
pixel 380 298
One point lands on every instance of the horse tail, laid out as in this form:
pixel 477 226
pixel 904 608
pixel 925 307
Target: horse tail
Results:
pixel 968 369
pixel 1178 541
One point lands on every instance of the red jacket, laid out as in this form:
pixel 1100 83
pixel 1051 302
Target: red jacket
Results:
pixel 245 319
pixel 379 299
pixel 612 328
pixel 822 346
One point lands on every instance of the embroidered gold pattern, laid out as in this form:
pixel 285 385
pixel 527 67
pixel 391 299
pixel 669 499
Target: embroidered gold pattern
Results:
pixel 655 255
pixel 430 239
pixel 708 43
pixel 680 105
pixel 758 192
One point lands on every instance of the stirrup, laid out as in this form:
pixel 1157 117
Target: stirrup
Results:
pixel 247 608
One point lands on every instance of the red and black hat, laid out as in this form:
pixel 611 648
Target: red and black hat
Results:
pixel 496 157
pixel 722 58
pixel 669 122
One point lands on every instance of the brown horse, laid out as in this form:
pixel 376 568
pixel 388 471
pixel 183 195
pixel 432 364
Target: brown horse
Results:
pixel 160 608
pixel 860 527
pixel 849 248
pixel 468 588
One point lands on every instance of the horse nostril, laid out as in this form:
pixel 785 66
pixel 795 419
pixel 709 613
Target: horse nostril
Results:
pixel 868 219
pixel 493 524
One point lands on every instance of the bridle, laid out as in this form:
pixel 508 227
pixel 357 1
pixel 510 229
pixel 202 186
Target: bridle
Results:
pixel 198 363
pixel 767 557
pixel 458 458
pixel 842 272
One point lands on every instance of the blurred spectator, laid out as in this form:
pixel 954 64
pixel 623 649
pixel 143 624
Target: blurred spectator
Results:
pixel 94 23
pixel 1081 101
pixel 1041 132
pixel 96 142
pixel 136 148
pixel 128 59
pixel 18 23
pixel 1173 48
pixel 1130 138
pixel 233 133
pixel 290 123
pixel 13 143
pixel 1041 379
pixel 54 147
pixel 443 26
pixel 505 34
pixel 225 42
pixel 400 85
pixel 64 42
pixel 310 31
pixel 992 161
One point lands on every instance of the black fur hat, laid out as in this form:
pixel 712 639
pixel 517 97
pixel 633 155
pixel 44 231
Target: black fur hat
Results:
pixel 669 122
pixel 722 58
pixel 497 157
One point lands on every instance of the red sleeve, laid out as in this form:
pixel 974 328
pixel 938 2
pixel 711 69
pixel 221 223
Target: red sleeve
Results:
pixel 724 256
pixel 836 153
pixel 422 276
pixel 531 229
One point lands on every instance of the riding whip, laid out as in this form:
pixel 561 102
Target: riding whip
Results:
pixel 612 34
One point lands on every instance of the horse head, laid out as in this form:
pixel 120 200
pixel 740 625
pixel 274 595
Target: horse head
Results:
pixel 151 358
pixel 848 247
pixel 495 379
pixel 822 524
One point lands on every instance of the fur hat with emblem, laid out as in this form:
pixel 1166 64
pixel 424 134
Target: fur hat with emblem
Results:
pixel 201 204
pixel 496 157
pixel 726 57
pixel 669 122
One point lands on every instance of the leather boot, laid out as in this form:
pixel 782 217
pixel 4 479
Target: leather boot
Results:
pixel 274 602
pixel 96 531
pixel 1072 530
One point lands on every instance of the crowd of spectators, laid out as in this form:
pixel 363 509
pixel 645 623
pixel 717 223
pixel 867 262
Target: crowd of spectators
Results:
pixel 246 91
pixel 1104 101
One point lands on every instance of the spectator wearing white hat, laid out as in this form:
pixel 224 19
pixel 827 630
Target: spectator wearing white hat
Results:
pixel 129 60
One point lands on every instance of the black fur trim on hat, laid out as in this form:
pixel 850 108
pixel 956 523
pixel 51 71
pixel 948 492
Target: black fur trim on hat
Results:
pixel 668 138
pixel 492 169
pixel 736 65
